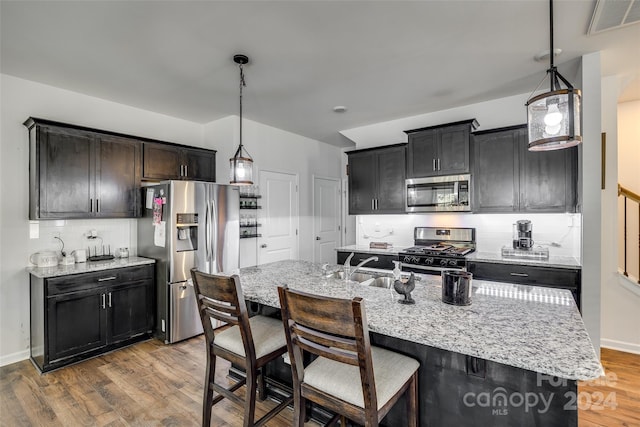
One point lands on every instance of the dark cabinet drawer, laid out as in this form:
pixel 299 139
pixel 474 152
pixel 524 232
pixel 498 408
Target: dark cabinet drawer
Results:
pixel 86 281
pixel 384 261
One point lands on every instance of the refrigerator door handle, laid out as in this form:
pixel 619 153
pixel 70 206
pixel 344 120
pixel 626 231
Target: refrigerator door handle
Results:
pixel 214 242
pixel 207 231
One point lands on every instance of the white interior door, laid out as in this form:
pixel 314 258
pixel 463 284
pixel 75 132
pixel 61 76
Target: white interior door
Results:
pixel 279 217
pixel 326 219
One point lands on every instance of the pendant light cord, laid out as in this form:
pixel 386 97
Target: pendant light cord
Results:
pixel 242 83
pixel 552 67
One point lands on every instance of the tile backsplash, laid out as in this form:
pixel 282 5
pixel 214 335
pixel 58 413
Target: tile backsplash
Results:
pixel 492 230
pixel 115 233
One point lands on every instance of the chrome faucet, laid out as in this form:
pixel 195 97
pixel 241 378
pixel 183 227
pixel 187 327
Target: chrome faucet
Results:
pixel 347 267
pixel 352 272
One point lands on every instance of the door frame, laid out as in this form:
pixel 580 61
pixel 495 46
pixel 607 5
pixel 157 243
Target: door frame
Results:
pixel 313 209
pixel 296 207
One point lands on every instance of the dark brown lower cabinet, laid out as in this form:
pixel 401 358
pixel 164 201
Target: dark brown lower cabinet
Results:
pixel 82 315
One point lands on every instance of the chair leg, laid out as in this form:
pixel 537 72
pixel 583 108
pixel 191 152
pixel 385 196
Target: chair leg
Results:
pixel 299 409
pixel 261 385
pixel 207 401
pixel 250 398
pixel 412 401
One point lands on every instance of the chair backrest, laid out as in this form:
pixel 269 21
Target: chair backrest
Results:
pixel 328 327
pixel 220 298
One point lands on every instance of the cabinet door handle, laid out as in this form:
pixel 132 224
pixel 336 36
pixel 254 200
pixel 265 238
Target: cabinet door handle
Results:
pixel 97 205
pixel 90 205
pixel 434 165
pixel 109 299
pixel 104 279
pixel 317 237
pixel 519 274
pixel 376 204
pixel 103 302
pixel 438 163
pixel 372 204
pixel 186 170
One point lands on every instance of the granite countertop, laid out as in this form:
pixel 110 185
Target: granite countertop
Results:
pixel 553 261
pixel 528 327
pixel 364 248
pixel 87 267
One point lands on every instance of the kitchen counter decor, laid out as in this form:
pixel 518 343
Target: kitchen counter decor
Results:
pixel 85 267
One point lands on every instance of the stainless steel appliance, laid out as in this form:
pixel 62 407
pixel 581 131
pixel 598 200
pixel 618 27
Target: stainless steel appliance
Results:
pixel 437 249
pixel 522 232
pixel 187 224
pixel 450 193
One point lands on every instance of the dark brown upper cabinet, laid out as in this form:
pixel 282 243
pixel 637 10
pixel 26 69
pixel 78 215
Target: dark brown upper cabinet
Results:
pixel 80 172
pixel 376 180
pixel 75 173
pixel 507 177
pixel 167 161
pixel 439 150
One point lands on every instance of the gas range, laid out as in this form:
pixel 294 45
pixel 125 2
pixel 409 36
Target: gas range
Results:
pixel 438 249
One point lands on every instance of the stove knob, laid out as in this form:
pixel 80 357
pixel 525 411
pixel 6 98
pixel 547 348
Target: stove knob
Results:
pixel 443 262
pixel 453 262
pixel 407 259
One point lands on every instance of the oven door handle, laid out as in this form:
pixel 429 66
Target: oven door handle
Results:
pixel 428 268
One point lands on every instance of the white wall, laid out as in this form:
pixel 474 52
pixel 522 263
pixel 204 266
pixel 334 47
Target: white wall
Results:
pixel 620 297
pixel 490 115
pixel 272 149
pixel 592 272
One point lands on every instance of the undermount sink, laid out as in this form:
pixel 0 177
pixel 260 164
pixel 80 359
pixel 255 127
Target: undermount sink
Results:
pixel 366 279
pixel 356 277
pixel 381 282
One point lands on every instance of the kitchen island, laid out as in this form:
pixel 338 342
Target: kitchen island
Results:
pixel 512 357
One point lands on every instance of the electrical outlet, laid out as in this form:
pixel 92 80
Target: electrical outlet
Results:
pixel 376 227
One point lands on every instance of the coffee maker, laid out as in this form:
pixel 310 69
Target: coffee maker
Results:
pixel 522 235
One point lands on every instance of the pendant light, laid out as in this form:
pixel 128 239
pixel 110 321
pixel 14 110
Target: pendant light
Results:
pixel 553 118
pixel 241 164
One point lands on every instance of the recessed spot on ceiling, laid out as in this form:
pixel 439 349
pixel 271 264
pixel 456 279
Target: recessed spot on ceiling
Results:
pixel 610 14
pixel 339 109
pixel 544 55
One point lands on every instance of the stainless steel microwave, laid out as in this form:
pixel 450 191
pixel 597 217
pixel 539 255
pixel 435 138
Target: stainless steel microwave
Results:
pixel 450 193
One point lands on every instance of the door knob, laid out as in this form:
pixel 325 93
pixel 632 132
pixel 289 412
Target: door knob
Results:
pixel 317 237
pixel 264 245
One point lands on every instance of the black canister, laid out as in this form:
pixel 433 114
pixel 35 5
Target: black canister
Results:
pixel 456 287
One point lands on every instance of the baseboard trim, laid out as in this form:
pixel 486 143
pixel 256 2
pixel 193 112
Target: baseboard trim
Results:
pixel 629 283
pixel 14 357
pixel 627 347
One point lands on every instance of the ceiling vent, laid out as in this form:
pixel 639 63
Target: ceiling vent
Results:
pixel 610 14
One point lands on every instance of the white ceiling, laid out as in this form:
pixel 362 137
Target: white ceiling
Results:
pixel 383 60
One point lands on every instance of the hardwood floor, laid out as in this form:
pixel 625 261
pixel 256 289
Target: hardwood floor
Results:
pixel 151 384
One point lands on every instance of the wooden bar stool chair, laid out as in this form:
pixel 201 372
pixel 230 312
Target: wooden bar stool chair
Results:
pixel 249 343
pixel 350 377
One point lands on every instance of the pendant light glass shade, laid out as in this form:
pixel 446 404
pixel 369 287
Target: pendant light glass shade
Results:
pixel 553 118
pixel 241 164
pixel 241 168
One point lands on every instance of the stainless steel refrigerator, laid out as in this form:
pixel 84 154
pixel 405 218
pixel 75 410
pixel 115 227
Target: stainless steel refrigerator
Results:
pixel 187 224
